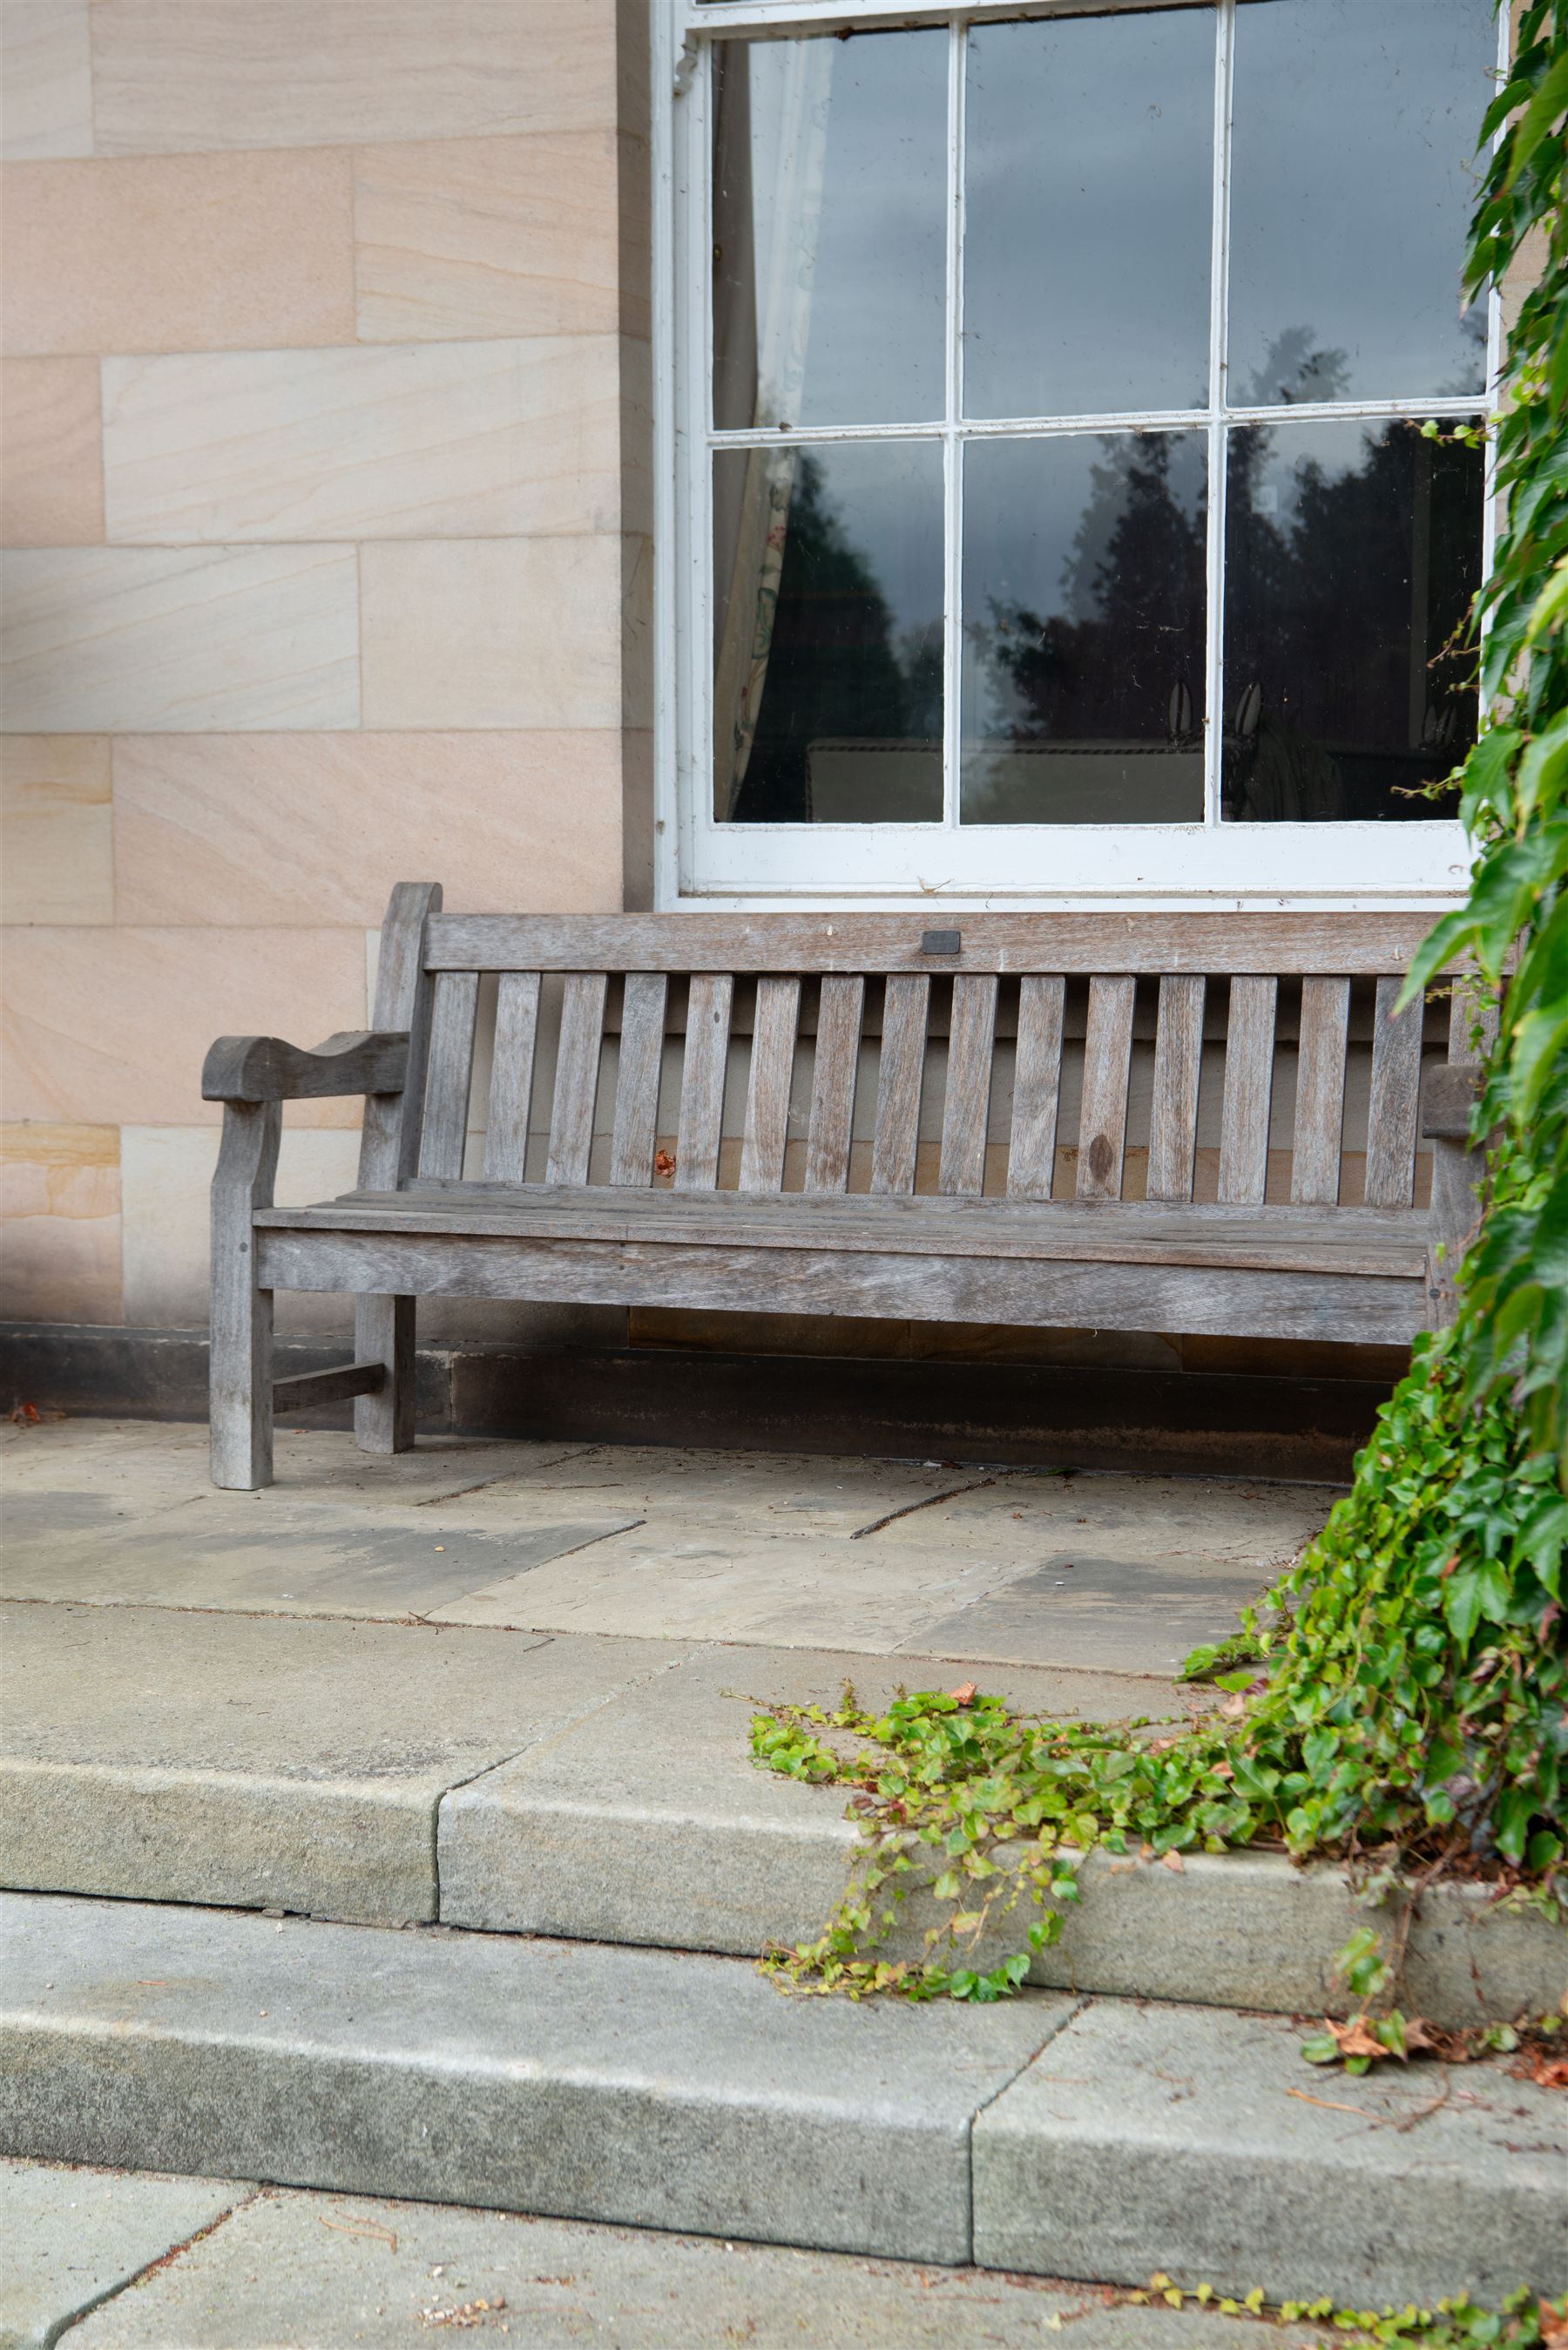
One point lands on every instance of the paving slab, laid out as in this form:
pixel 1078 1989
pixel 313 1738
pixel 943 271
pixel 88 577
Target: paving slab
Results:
pixel 646 1821
pixel 1196 2141
pixel 569 2079
pixel 338 2272
pixel 1078 1608
pixel 264 1760
pixel 73 2236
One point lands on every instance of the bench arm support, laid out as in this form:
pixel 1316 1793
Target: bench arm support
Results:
pixel 265 1069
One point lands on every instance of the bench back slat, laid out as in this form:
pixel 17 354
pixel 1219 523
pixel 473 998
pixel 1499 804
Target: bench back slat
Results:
pixel 1320 1092
pixel 1249 1092
pixel 576 1076
pixel 1107 1069
pixel 841 1007
pixel 445 1128
pixel 512 1077
pixel 1036 1087
pixel 900 1071
pixel 1391 1122
pixel 405 993
pixel 971 1035
pixel 767 1093
pixel 1177 1064
pixel 702 1081
pixel 635 1135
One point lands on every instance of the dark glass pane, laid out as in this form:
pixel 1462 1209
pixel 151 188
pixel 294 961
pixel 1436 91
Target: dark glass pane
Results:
pixel 828 694
pixel 1352 552
pixel 1089 169
pixel 1353 176
pixel 1083 601
pixel 829 230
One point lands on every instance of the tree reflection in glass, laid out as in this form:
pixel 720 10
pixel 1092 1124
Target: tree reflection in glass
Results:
pixel 828 634
pixel 1083 602
pixel 1351 553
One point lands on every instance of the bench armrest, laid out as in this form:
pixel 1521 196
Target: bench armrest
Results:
pixel 265 1069
pixel 1451 1094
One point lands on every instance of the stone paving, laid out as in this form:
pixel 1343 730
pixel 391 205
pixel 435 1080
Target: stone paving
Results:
pixel 1082 1571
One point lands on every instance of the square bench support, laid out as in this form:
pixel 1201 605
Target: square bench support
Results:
pixel 384 1332
pixel 241 1357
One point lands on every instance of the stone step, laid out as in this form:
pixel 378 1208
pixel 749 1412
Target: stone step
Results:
pixel 602 1789
pixel 1096 2140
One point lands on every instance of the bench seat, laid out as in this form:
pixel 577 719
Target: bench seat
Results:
pixel 1281 1272
pixel 852 1117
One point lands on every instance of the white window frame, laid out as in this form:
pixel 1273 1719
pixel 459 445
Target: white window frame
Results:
pixel 1212 865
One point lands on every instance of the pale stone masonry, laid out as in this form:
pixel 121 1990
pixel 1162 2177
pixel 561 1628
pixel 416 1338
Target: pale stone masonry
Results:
pixel 326 504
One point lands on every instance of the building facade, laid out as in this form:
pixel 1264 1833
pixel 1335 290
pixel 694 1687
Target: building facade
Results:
pixel 601 453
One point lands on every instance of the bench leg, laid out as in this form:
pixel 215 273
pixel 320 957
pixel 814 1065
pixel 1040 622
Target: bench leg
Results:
pixel 384 1332
pixel 240 1374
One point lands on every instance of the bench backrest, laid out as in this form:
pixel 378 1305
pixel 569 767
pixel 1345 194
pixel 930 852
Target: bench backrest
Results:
pixel 1016 1053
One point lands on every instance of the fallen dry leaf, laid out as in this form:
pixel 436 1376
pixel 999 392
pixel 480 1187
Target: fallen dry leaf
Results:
pixel 1553 2328
pixel 1547 2073
pixel 1173 1860
pixel 965 1693
pixel 664 1163
pixel 1355 2040
pixel 25 1415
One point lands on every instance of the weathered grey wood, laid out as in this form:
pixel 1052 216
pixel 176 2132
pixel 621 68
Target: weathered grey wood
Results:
pixel 390 1146
pixel 971 1035
pixel 767 1093
pixel 895 1138
pixel 1458 1170
pixel 384 1334
pixel 1376 1242
pixel 446 1129
pixel 1249 1091
pixel 263 1068
pixel 802 1281
pixel 1177 1063
pixel 1448 1103
pixel 512 1075
pixel 577 1078
pixel 240 1369
pixel 1107 1066
pixel 635 1131
pixel 390 1153
pixel 1319 1133
pixel 1037 1088
pixel 306 1390
pixel 1141 942
pixel 832 1123
pixel 1396 1090
pixel 702 1081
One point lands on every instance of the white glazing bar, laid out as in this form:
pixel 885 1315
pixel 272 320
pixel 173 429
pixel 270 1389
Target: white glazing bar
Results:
pixel 1218 290
pixel 1139 420
pixel 1495 355
pixel 952 451
pixel 698 297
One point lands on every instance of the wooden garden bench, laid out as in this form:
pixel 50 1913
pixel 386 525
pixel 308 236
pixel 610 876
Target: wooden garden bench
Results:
pixel 936 1124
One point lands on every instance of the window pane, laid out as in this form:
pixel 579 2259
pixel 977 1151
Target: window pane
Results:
pixel 1084 605
pixel 1352 182
pixel 829 230
pixel 1351 553
pixel 828 696
pixel 1089 166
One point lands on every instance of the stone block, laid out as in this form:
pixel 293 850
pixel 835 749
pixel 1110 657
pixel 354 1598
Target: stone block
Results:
pixel 174 253
pixel 271 828
pixel 59 1209
pixel 56 829
pixel 132 640
pixel 51 460
pixel 487 236
pixel 46 78
pixel 451 440
pixel 1196 2141
pixel 493 632
pixel 643 2087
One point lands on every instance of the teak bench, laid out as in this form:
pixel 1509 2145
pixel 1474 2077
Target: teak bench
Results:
pixel 1027 1028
